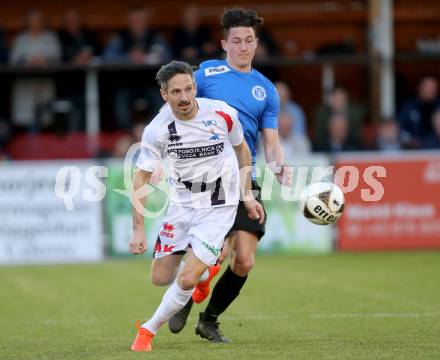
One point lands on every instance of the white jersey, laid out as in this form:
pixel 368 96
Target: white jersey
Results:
pixel 203 166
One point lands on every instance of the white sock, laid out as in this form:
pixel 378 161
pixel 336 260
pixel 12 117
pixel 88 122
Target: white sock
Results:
pixel 173 300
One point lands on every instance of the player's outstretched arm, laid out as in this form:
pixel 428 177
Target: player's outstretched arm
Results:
pixel 274 155
pixel 138 242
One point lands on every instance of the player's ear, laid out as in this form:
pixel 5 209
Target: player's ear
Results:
pixel 224 45
pixel 164 94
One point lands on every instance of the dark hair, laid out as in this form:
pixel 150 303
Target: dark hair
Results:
pixel 168 71
pixel 237 17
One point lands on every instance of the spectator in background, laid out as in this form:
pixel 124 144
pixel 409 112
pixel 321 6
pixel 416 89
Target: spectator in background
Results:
pixel 3 49
pixel 291 107
pixel 432 141
pixel 5 133
pixel 36 46
pixel 138 44
pixel 192 41
pixel 388 138
pixel 79 45
pixel 416 114
pixel 293 144
pixel 338 102
pixel 339 138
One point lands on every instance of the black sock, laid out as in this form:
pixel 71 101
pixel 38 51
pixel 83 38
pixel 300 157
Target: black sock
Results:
pixel 225 291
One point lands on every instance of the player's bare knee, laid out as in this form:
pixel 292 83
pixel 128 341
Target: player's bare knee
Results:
pixel 242 265
pixel 187 280
pixel 160 279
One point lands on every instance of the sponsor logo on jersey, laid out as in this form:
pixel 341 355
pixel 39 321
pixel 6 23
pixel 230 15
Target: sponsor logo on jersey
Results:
pixel 216 70
pixel 174 138
pixel 167 231
pixel 214 135
pixel 208 123
pixel 259 93
pixel 196 152
pixel 212 249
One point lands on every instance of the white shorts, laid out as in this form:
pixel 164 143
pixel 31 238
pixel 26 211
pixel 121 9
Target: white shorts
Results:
pixel 203 230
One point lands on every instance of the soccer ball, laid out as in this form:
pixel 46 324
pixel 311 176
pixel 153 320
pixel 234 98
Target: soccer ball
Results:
pixel 322 202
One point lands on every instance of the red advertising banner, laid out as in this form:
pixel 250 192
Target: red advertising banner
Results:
pixel 395 203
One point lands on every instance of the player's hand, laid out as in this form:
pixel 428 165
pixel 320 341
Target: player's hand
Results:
pixel 285 176
pixel 255 210
pixel 138 242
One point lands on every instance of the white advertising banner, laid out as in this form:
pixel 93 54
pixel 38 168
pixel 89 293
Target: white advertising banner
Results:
pixel 36 227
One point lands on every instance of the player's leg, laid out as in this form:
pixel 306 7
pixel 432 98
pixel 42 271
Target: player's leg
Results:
pixel 228 287
pixel 174 299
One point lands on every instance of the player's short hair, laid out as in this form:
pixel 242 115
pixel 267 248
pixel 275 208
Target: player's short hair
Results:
pixel 168 71
pixel 237 17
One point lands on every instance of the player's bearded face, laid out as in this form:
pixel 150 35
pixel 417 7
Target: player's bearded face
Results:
pixel 240 47
pixel 180 94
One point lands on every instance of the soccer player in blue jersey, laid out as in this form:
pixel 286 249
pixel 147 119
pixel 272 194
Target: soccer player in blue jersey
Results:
pixel 254 96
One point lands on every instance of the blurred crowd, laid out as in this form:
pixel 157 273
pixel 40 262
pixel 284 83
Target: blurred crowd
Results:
pixel 336 125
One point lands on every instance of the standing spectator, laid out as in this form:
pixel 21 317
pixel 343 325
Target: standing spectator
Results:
pixel 137 45
pixel 293 144
pixel 33 47
pixel 338 102
pixel 416 114
pixel 193 41
pixel 79 45
pixel 388 138
pixel 291 107
pixel 432 141
pixel 339 138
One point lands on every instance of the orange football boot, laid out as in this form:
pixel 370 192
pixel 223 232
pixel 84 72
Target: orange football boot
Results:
pixel 143 340
pixel 202 289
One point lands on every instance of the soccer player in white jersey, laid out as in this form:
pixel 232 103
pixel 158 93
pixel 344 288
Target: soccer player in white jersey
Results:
pixel 203 142
pixel 236 82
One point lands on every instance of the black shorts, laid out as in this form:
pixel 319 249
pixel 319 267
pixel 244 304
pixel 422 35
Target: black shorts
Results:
pixel 242 220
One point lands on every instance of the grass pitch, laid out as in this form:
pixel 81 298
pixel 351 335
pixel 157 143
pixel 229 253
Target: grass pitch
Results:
pixel 344 306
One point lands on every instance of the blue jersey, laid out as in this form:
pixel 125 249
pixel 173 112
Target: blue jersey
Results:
pixel 251 94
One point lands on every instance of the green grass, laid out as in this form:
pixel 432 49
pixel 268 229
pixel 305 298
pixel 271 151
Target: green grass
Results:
pixel 345 306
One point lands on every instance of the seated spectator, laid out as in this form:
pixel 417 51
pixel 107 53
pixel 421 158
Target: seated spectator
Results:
pixel 416 114
pixel 192 41
pixel 339 138
pixel 388 138
pixel 293 144
pixel 138 44
pixel 3 50
pixel 338 103
pixel 33 47
pixel 432 141
pixel 291 107
pixel 79 45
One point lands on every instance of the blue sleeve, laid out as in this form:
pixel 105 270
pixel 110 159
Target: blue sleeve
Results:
pixel 200 81
pixel 269 119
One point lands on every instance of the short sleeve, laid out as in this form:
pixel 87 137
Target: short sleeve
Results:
pixel 232 122
pixel 200 82
pixel 150 153
pixel 269 118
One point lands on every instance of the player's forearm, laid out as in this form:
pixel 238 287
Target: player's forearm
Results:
pixel 274 154
pixel 140 179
